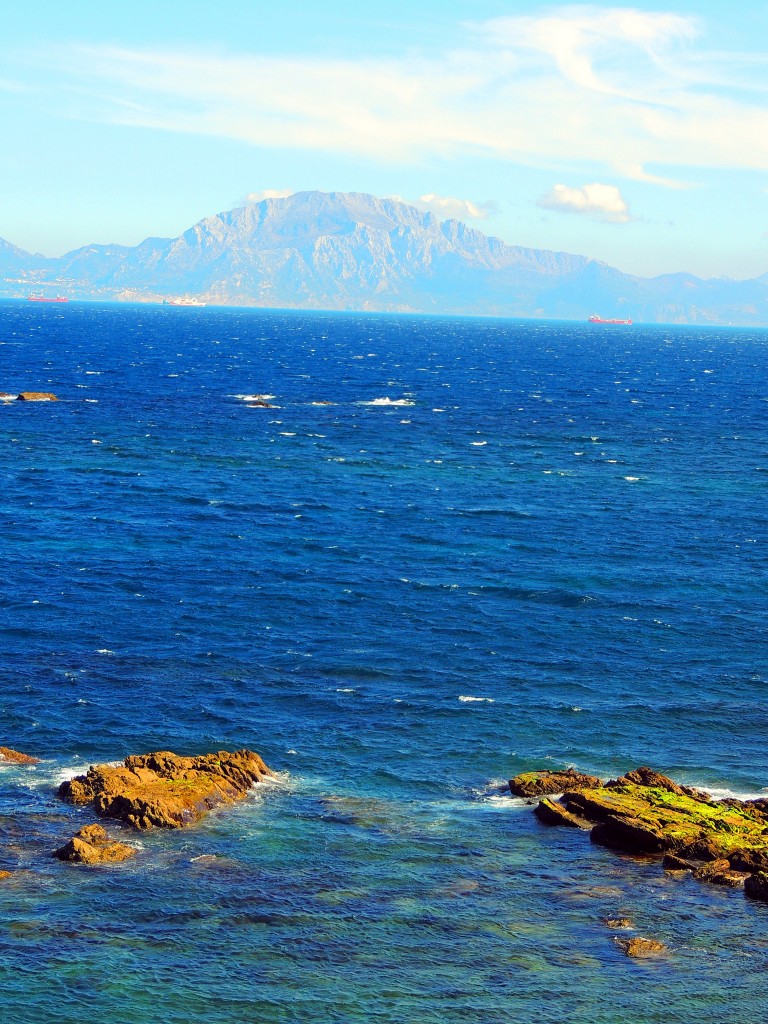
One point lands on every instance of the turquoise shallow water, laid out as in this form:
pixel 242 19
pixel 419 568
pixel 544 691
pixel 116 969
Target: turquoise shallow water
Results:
pixel 553 552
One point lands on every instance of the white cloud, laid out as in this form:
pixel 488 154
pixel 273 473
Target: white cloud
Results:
pixel 617 88
pixel 269 193
pixel 596 201
pixel 450 207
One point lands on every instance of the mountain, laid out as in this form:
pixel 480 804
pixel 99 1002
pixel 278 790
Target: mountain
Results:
pixel 353 251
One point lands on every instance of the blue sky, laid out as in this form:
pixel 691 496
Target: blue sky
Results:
pixel 635 134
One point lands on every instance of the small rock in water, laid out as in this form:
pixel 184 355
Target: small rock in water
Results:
pixel 92 845
pixel 36 396
pixel 618 922
pixel 642 949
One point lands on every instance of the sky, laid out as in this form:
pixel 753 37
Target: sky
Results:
pixel 634 134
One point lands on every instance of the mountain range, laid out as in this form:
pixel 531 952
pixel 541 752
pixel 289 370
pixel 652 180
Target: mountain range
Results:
pixel 354 251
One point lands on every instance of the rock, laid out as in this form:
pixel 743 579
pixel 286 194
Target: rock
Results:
pixel 632 835
pixel 164 790
pixel 720 872
pixel 18 758
pixel 36 396
pixel 642 949
pixel 550 812
pixel 756 886
pixel 652 779
pixel 672 862
pixel 6 396
pixel 92 845
pixel 547 783
pixel 749 860
pixel 4 875
pixel 618 922
pixel 645 813
pixel 260 404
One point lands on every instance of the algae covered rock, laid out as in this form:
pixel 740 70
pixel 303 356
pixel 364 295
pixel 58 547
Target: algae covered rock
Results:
pixel 645 813
pixel 549 782
pixel 92 845
pixel 164 790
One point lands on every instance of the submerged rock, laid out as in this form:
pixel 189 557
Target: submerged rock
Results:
pixel 164 790
pixel 92 845
pixel 547 783
pixel 17 757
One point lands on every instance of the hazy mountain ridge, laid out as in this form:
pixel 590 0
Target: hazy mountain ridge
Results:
pixel 355 251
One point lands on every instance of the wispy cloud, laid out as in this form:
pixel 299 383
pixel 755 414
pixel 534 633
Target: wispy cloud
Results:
pixel 596 201
pixel 616 88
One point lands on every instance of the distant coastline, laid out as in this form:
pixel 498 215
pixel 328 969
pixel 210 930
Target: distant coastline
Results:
pixel 358 253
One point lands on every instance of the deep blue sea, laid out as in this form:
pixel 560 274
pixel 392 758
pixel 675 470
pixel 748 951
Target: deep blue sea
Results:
pixel 452 550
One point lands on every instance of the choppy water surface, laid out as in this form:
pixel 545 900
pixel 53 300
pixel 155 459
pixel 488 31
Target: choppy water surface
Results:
pixel 452 551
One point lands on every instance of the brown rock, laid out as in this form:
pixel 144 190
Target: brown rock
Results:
pixel 547 783
pixel 550 812
pixel 91 845
pixel 672 862
pixel 36 396
pixel 720 872
pixel 18 758
pixel 618 922
pixel 749 860
pixel 628 834
pixel 756 886
pixel 165 790
pixel 4 875
pixel 642 949
pixel 652 779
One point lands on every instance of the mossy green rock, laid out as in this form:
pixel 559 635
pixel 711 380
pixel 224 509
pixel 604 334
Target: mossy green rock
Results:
pixel 646 813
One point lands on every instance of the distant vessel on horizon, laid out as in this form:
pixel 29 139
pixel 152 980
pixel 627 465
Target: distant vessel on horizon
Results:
pixel 44 298
pixel 183 302
pixel 600 320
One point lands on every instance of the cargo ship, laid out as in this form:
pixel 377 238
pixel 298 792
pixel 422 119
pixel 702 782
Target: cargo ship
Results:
pixel 600 320
pixel 45 298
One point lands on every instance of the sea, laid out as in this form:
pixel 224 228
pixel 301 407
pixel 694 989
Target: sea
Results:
pixel 404 559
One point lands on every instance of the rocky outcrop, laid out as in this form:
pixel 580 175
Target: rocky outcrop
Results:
pixel 531 784
pixel 92 845
pixel 646 813
pixel 36 396
pixel 7 754
pixel 164 790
